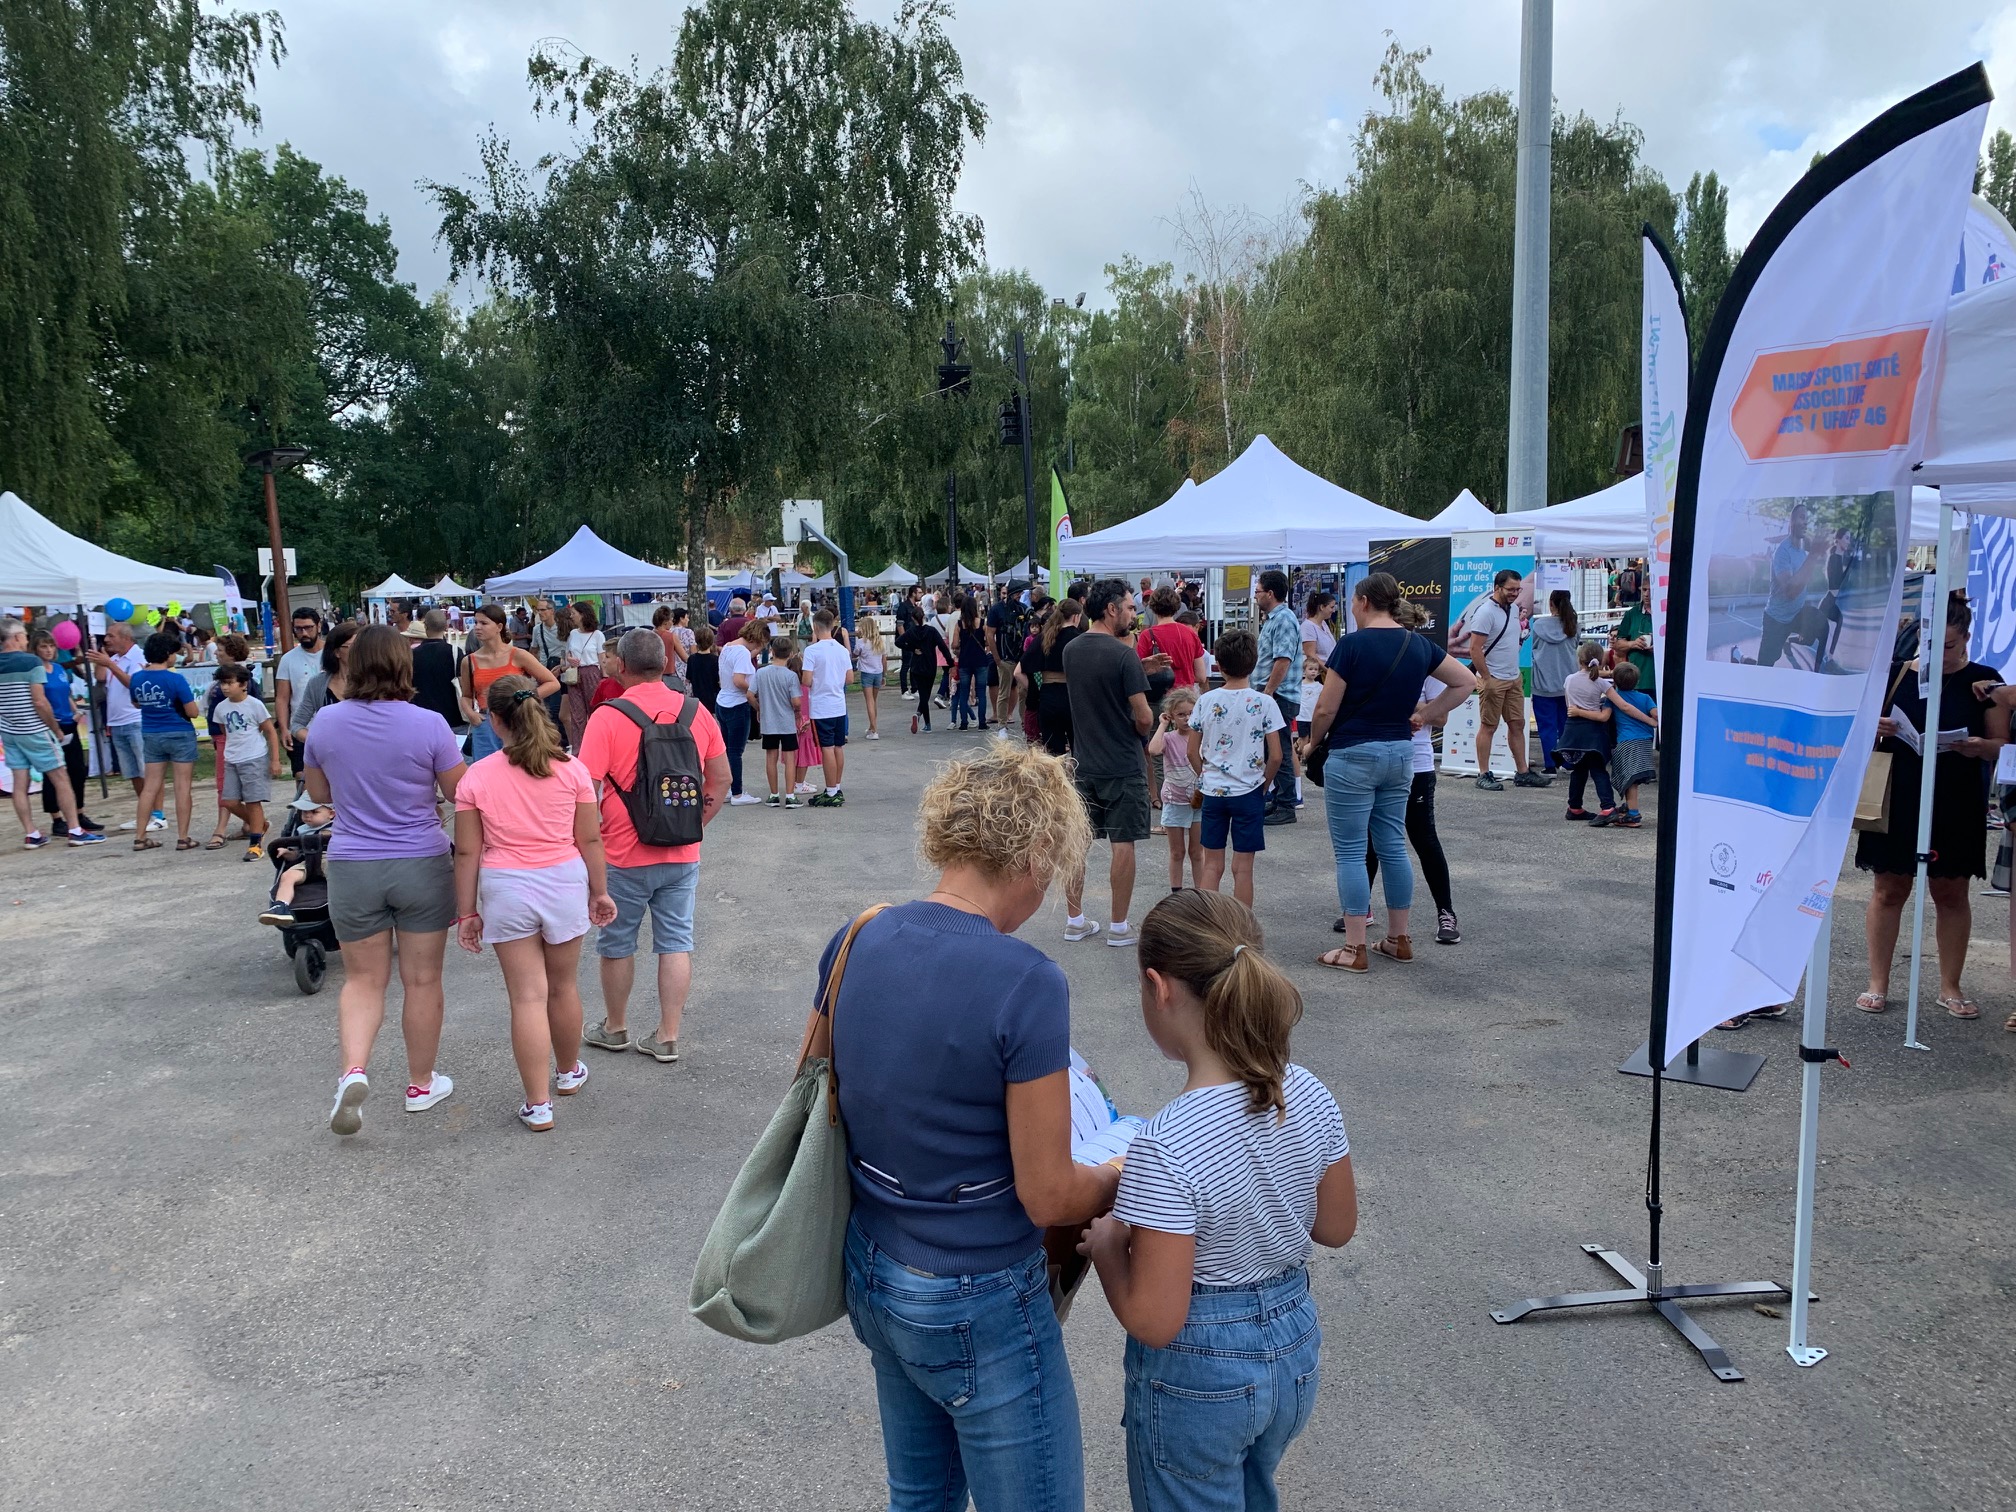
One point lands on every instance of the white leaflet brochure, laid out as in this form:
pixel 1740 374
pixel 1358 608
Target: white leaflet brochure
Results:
pixel 1099 1131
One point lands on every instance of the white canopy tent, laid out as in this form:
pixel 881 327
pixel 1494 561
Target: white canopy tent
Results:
pixel 1971 439
pixel 1612 522
pixel 1468 512
pixel 395 586
pixel 939 578
pixel 449 588
pixel 1262 508
pixel 43 564
pixel 587 564
pixel 1020 572
pixel 731 582
pixel 895 575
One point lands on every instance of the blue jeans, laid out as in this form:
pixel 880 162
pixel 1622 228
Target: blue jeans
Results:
pixel 1550 713
pixel 1365 794
pixel 734 722
pixel 970 697
pixel 974 1387
pixel 1209 1417
pixel 483 739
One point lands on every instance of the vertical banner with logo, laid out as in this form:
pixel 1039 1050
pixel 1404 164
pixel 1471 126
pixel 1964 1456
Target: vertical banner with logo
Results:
pixel 1421 567
pixel 1988 255
pixel 1662 410
pixel 1060 532
pixel 1790 523
pixel 1476 557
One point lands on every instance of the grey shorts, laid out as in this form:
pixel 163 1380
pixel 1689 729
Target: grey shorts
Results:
pixel 412 894
pixel 247 782
pixel 666 890
pixel 1117 806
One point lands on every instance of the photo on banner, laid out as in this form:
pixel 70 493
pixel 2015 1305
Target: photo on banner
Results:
pixel 1421 567
pixel 1475 560
pixel 1809 400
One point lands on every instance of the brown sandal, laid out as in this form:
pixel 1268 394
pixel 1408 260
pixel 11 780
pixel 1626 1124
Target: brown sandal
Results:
pixel 143 843
pixel 185 843
pixel 1395 947
pixel 1345 958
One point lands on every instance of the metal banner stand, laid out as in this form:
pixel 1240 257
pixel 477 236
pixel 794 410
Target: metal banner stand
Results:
pixel 1726 1070
pixel 1932 668
pixel 1812 1050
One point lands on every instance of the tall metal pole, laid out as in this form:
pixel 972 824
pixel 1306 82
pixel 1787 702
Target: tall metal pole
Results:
pixel 1812 1037
pixel 952 530
pixel 1028 453
pixel 1932 668
pixel 1526 449
pixel 280 613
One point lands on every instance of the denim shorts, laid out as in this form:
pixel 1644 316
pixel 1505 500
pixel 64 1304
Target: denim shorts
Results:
pixel 1178 815
pixel 1209 1417
pixel 1242 815
pixel 871 679
pixel 664 889
pixel 168 745
pixel 32 751
pixel 832 732
pixel 129 748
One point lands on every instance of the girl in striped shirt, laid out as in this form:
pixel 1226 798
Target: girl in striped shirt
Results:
pixel 1220 1199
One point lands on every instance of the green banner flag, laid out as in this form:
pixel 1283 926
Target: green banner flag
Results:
pixel 1060 529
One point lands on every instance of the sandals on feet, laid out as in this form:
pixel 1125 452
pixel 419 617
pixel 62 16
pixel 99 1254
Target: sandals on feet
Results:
pixel 143 843
pixel 1345 958
pixel 215 842
pixel 185 843
pixel 1872 1002
pixel 1395 947
pixel 2009 1026
pixel 1960 1007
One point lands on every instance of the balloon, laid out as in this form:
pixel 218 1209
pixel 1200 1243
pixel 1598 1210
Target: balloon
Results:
pixel 119 609
pixel 66 635
pixel 174 606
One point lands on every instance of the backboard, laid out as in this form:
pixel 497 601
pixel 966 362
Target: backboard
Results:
pixel 795 510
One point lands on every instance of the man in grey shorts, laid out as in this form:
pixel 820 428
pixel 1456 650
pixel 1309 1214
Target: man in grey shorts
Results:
pixel 1110 719
pixel 661 881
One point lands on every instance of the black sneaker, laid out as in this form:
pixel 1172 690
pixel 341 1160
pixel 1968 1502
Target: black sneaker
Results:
pixel 277 913
pixel 1603 820
pixel 1530 778
pixel 1278 816
pixel 1489 782
pixel 1446 932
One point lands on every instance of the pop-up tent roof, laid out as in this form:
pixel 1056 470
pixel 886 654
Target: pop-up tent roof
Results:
pixel 1612 522
pixel 1468 512
pixel 939 578
pixel 1020 571
pixel 395 586
pixel 449 588
pixel 1970 446
pixel 587 564
pixel 41 563
pixel 1262 508
pixel 895 575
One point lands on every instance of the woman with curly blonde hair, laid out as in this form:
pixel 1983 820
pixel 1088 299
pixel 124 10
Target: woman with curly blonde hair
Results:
pixel 951 1044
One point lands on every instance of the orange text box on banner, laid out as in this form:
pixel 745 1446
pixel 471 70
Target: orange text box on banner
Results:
pixel 1848 398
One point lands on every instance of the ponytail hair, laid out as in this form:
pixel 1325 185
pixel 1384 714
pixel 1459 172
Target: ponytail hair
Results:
pixel 1562 603
pixel 531 743
pixel 1211 943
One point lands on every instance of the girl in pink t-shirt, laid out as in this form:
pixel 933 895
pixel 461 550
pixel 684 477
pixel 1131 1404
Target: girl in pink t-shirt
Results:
pixel 530 879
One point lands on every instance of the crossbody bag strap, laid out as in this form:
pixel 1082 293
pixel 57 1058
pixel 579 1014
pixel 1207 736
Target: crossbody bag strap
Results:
pixel 819 1027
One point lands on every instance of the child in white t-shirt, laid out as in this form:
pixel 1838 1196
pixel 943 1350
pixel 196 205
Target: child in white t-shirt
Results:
pixel 251 757
pixel 1221 1195
pixel 1235 747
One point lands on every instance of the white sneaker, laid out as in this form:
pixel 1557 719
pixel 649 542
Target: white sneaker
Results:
pixel 156 822
pixel 742 800
pixel 804 788
pixel 347 1117
pixel 420 1099
pixel 567 1083
pixel 538 1117
pixel 1119 938
pixel 1083 931
pixel 128 826
pixel 873 736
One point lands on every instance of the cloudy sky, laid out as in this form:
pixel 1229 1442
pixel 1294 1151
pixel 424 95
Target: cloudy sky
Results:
pixel 1107 114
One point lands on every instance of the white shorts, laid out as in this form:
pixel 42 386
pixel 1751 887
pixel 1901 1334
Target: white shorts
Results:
pixel 548 901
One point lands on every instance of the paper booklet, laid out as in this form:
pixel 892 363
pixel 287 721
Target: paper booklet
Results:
pixel 1907 732
pixel 2005 764
pixel 1099 1130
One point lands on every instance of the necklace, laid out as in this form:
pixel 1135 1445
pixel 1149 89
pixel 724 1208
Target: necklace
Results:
pixel 948 893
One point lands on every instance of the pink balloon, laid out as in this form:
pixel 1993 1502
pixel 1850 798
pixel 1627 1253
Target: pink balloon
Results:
pixel 66 634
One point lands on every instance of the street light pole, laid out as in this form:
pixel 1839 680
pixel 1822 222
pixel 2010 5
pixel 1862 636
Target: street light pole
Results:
pixel 1526 448
pixel 955 380
pixel 1028 454
pixel 275 459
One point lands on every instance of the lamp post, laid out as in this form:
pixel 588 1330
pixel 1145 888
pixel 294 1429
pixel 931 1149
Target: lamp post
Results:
pixel 955 381
pixel 1526 460
pixel 277 459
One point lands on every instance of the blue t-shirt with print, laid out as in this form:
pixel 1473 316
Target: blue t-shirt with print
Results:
pixel 161 695
pixel 1629 728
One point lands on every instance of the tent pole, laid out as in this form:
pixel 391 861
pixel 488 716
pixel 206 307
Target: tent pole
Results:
pixel 1933 668
pixel 1812 1041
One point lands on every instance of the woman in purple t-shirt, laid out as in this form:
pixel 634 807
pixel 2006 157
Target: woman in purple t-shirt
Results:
pixel 379 761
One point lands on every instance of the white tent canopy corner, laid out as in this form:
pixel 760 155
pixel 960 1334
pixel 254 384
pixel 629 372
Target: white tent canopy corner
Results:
pixel 41 563
pixel 939 578
pixel 1468 512
pixel 449 588
pixel 1612 522
pixel 587 564
pixel 395 586
pixel 1263 507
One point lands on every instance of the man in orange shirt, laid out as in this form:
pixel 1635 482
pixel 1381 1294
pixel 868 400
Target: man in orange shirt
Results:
pixel 662 881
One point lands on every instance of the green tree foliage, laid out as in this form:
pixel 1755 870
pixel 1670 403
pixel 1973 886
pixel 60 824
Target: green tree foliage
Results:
pixel 1703 253
pixel 733 233
pixel 1995 181
pixel 1129 391
pixel 97 102
pixel 1385 361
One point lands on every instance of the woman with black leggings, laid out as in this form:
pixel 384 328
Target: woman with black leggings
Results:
pixel 1053 702
pixel 1421 835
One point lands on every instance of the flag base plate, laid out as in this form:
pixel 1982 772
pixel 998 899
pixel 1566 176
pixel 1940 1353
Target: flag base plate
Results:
pixel 1730 1070
pixel 1665 1301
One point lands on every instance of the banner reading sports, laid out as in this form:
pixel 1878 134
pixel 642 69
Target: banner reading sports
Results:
pixel 1791 518
pixel 1662 412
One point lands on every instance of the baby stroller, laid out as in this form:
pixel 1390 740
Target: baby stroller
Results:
pixel 307 937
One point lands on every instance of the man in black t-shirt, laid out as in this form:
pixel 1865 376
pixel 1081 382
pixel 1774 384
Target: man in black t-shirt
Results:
pixel 1109 721
pixel 1007 628
pixel 909 610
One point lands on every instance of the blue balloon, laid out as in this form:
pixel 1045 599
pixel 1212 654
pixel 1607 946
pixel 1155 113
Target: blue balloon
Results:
pixel 118 609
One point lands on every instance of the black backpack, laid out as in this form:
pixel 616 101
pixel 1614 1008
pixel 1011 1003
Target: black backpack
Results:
pixel 664 802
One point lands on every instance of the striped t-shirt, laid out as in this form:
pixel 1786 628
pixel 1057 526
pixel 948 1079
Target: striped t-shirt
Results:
pixel 1242 1183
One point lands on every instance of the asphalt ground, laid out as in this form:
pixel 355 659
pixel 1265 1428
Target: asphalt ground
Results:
pixel 208 1301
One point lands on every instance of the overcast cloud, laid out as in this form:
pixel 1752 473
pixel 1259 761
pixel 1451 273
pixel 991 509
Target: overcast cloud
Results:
pixel 1104 113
